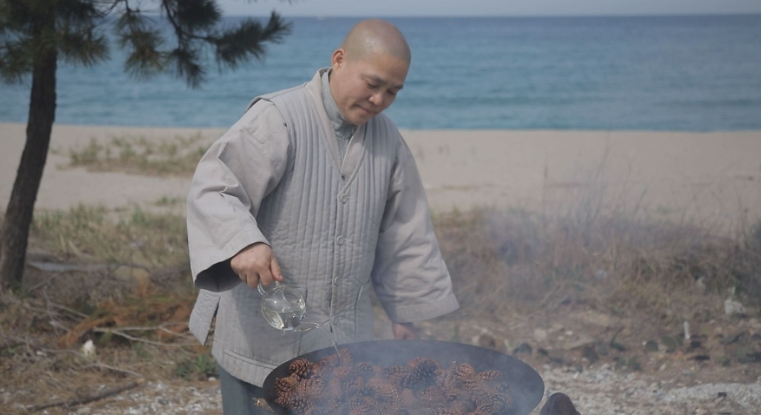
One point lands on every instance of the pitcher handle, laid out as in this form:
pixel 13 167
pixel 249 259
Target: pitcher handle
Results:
pixel 264 291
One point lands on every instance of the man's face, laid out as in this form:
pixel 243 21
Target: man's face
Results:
pixel 363 88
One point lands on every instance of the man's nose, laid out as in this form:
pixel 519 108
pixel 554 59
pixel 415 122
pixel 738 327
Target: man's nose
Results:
pixel 377 99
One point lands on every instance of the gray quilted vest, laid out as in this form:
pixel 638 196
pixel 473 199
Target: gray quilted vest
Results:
pixel 323 226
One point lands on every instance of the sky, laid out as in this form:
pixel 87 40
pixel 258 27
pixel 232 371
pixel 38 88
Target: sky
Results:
pixel 393 8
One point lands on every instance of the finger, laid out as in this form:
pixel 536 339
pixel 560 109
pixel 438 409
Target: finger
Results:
pixel 277 274
pixel 265 276
pixel 252 280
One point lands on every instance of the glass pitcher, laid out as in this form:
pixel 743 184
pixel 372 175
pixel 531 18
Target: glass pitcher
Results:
pixel 284 307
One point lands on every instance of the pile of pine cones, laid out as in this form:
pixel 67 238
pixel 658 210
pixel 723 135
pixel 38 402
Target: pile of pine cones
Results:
pixel 339 386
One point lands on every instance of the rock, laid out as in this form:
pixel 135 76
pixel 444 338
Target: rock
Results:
pixel 739 337
pixel 747 354
pixel 593 317
pixel 733 307
pixel 558 404
pixel 618 346
pixel 523 348
pixel 488 342
pixel 540 335
pixel 670 343
pixel 602 349
pixel 88 350
pixel 557 359
pixel 724 360
pixel 584 341
pixel 590 354
pixel 695 345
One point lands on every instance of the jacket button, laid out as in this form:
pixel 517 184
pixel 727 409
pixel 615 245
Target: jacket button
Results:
pixel 343 198
pixel 340 240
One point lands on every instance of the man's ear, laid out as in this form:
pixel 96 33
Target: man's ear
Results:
pixel 338 59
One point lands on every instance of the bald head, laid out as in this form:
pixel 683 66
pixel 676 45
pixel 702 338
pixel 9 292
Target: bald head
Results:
pixel 374 36
pixel 368 70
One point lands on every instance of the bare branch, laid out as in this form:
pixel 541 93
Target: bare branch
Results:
pixel 115 369
pixel 87 398
pixel 137 339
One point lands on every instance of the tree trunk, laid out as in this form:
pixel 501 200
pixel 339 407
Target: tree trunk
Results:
pixel 14 233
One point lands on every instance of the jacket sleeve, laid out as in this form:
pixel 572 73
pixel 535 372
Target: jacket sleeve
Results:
pixel 227 189
pixel 409 275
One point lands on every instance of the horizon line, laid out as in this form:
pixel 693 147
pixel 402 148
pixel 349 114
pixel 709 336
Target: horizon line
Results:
pixel 326 16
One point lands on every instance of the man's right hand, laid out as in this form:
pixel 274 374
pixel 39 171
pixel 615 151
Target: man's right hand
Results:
pixel 256 263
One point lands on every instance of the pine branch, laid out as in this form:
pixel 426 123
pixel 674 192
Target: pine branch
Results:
pixel 15 61
pixel 83 48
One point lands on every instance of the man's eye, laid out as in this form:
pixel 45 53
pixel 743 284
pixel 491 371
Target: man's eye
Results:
pixel 371 85
pixel 392 93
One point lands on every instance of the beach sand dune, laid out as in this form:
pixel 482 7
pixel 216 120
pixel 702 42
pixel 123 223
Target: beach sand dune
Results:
pixel 707 178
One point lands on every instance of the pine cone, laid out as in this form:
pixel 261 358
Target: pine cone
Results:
pixel 432 396
pixel 403 380
pixel 301 367
pixel 393 370
pixel 334 389
pixel 462 407
pixel 286 385
pixel 425 369
pixel 494 407
pixel 297 404
pixel 381 389
pixel 346 358
pixel 361 410
pixel 283 400
pixel 352 386
pixel 343 372
pixel 465 370
pixel 364 369
pixel 489 375
pixel 362 401
pixel 407 399
pixel 328 362
pixel 313 387
pixel 503 387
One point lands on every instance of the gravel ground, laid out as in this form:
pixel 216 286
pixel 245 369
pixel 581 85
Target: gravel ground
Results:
pixel 604 391
pixel 598 391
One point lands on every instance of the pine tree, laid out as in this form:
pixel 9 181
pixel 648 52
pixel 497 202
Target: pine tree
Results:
pixel 36 34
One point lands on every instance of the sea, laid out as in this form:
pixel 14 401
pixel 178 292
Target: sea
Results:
pixel 677 73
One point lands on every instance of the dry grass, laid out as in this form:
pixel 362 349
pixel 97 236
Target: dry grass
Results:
pixel 169 156
pixel 136 308
pixel 95 234
pixel 128 290
pixel 501 262
pixel 511 261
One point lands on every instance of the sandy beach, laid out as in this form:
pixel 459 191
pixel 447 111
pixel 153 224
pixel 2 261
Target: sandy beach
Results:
pixel 713 179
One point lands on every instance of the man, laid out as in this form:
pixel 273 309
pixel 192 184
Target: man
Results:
pixel 314 186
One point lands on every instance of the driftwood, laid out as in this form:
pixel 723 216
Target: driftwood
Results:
pixel 87 398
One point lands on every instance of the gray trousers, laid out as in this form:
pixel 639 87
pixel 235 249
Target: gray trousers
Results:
pixel 239 397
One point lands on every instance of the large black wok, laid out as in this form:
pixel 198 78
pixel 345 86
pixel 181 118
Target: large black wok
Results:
pixel 527 385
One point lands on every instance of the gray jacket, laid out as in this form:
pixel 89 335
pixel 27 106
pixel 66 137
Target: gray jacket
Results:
pixel 338 228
